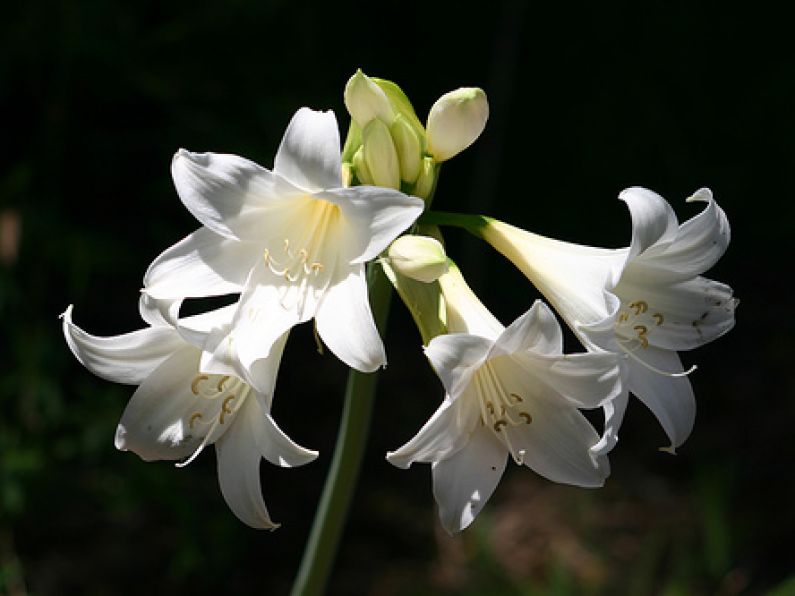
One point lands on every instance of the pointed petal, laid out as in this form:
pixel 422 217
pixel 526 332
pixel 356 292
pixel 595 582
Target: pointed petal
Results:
pixel 279 449
pixel 202 264
pixel 557 444
pixel 345 322
pixel 446 432
pixel 463 483
pixel 159 313
pixel 158 421
pixel 653 220
pixel 455 358
pixel 671 399
pixel 689 313
pixel 614 415
pixel 698 245
pixel 226 192
pixel 372 218
pixel 128 358
pixel 537 330
pixel 309 154
pixel 238 469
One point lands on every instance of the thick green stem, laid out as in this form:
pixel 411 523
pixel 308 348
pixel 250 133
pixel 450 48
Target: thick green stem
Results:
pixel 342 477
pixel 473 224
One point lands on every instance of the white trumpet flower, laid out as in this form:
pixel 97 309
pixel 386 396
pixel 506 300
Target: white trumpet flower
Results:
pixel 509 391
pixel 293 241
pixel 178 409
pixel 645 302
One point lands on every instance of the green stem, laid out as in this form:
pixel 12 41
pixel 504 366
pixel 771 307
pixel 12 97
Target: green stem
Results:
pixel 335 501
pixel 473 224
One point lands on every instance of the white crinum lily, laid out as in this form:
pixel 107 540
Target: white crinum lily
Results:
pixel 177 409
pixel 509 391
pixel 646 301
pixel 293 241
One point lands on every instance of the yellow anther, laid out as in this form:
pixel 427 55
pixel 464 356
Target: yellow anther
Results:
pixel 194 418
pixel 517 398
pixel 316 267
pixel 623 317
pixel 221 382
pixel 225 408
pixel 639 306
pixel 642 330
pixel 490 407
pixel 658 319
pixel 499 424
pixel 194 386
pixel 527 417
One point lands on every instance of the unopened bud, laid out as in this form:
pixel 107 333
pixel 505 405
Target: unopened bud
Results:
pixel 426 179
pixel 360 167
pixel 366 101
pixel 380 155
pixel 408 147
pixel 455 121
pixel 418 257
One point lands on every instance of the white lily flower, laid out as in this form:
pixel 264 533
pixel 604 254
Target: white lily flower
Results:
pixel 178 409
pixel 293 241
pixel 509 391
pixel 646 301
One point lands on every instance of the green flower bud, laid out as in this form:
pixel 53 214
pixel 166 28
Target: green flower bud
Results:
pixel 380 155
pixel 366 101
pixel 426 179
pixel 455 121
pixel 408 147
pixel 360 167
pixel 419 257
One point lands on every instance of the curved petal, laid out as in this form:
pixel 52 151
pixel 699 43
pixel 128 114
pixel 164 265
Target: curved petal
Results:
pixel 372 218
pixel 159 422
pixel 455 358
pixel 202 264
pixel 159 313
pixel 684 315
pixel 446 431
pixel 698 245
pixel 224 191
pixel 671 399
pixel 238 470
pixel 536 330
pixel 345 323
pixel 128 358
pixel 614 415
pixel 653 220
pixel 557 444
pixel 464 482
pixel 196 329
pixel 279 449
pixel 309 154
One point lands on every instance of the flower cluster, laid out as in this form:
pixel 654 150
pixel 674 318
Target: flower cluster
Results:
pixel 291 244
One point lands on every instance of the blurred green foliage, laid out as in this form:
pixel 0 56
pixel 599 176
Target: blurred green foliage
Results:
pixel 96 97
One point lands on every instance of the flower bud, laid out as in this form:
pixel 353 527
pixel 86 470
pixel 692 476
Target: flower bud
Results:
pixel 409 151
pixel 455 121
pixel 418 257
pixel 380 155
pixel 360 167
pixel 366 101
pixel 426 179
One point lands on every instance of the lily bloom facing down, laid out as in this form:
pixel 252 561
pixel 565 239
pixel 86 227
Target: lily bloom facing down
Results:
pixel 509 391
pixel 177 410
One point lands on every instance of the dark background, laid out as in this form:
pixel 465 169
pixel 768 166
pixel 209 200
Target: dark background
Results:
pixel 95 97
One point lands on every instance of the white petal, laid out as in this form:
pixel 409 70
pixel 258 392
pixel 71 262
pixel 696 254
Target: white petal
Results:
pixel 156 424
pixel 224 191
pixel 671 399
pixel 557 444
pixel 693 312
pixel 159 312
pixel 238 470
pixel 345 323
pixel 464 482
pixel 196 328
pixel 455 358
pixel 128 358
pixel 465 312
pixel 372 218
pixel 446 431
pixel 279 449
pixel 614 415
pixel 309 154
pixel 653 220
pixel 202 264
pixel 698 245
pixel 537 330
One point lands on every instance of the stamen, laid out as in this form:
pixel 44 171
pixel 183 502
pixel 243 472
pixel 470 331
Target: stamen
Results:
pixel 527 417
pixel 194 386
pixel 225 408
pixel 639 360
pixel 499 424
pixel 642 330
pixel 639 306
pixel 194 418
pixel 658 318
pixel 221 382
pixel 623 317
pixel 517 398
